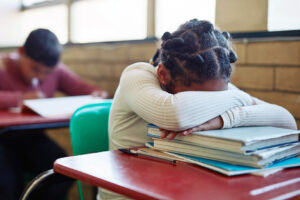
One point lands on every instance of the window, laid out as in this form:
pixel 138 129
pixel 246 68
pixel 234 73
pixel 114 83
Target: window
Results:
pixel 115 20
pixel 53 18
pixel 108 20
pixel 29 3
pixel 171 13
pixel 16 24
pixel 283 15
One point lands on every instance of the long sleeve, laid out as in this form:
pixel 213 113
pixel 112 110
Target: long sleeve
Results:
pixel 143 94
pixel 10 99
pixel 71 84
pixel 260 114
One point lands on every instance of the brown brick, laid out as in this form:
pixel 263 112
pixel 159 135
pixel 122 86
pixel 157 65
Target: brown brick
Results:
pixel 298 125
pixel 117 69
pixel 289 101
pixel 141 53
pixel 257 77
pixel 80 53
pixel 240 50
pixel 288 78
pixel 96 70
pixel 285 52
pixel 110 52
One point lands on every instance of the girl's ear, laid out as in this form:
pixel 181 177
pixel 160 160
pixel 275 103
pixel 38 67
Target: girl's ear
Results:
pixel 163 75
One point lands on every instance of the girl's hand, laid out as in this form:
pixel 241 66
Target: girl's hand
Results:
pixel 215 123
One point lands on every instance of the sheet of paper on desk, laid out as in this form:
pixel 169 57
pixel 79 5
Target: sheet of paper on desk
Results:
pixel 60 106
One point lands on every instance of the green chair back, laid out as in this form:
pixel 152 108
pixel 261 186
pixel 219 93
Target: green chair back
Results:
pixel 89 130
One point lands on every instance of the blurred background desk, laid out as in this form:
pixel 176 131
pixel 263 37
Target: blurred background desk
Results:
pixel 10 121
pixel 149 178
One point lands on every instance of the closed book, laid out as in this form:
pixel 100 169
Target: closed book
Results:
pixel 258 159
pixel 223 167
pixel 241 140
pixel 232 170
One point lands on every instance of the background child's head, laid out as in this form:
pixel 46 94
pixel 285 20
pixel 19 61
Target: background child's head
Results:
pixel 43 46
pixel 39 55
pixel 196 53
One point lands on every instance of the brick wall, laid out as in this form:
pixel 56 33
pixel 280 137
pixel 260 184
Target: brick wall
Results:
pixel 103 64
pixel 270 71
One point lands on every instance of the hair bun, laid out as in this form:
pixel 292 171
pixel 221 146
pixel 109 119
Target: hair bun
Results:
pixel 232 57
pixel 198 59
pixel 226 34
pixel 207 26
pixel 166 36
pixel 173 43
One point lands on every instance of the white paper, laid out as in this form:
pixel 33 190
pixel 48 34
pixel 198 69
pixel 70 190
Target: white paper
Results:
pixel 60 106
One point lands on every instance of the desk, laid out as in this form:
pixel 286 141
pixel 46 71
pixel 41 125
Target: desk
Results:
pixel 10 121
pixel 150 178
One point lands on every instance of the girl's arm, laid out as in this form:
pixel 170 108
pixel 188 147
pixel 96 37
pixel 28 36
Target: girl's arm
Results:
pixel 10 99
pixel 260 114
pixel 143 94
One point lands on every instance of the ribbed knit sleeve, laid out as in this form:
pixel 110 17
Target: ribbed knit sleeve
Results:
pixel 143 94
pixel 260 114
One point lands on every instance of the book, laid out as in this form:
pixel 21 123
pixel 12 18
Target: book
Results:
pixel 59 106
pixel 223 167
pixel 232 170
pixel 240 140
pixel 258 159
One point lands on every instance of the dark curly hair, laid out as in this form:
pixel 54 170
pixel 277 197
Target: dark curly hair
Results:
pixel 197 52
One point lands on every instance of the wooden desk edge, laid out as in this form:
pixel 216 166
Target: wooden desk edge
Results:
pixel 98 182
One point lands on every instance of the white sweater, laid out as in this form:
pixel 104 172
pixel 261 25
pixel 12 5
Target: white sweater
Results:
pixel 139 100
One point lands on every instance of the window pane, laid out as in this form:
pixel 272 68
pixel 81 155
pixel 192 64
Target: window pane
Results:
pixel 284 15
pixel 108 20
pixel 53 18
pixel 171 13
pixel 32 2
pixel 19 24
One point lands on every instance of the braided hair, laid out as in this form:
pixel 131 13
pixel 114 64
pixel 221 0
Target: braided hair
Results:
pixel 197 52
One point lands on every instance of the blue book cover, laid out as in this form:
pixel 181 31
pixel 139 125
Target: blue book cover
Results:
pixel 231 170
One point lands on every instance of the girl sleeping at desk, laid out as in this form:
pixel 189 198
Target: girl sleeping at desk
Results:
pixel 188 90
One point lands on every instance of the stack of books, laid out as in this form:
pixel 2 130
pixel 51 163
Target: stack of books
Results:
pixel 246 148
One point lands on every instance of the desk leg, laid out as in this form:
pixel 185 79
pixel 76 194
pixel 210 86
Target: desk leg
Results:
pixel 44 179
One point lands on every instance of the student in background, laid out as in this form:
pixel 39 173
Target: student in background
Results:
pixel 189 90
pixel 35 71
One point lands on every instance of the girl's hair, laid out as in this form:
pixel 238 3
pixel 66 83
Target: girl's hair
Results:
pixel 197 52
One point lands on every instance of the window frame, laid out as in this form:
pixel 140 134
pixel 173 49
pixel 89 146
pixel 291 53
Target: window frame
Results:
pixel 151 21
pixel 42 4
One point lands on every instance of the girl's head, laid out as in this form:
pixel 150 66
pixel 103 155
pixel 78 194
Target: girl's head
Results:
pixel 195 57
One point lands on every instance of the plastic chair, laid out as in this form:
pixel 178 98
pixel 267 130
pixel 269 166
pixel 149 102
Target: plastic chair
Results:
pixel 89 130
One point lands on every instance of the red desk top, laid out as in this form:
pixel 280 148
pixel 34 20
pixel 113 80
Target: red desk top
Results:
pixel 17 119
pixel 150 178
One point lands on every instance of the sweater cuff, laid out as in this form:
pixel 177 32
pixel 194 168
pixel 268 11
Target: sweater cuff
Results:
pixel 226 120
